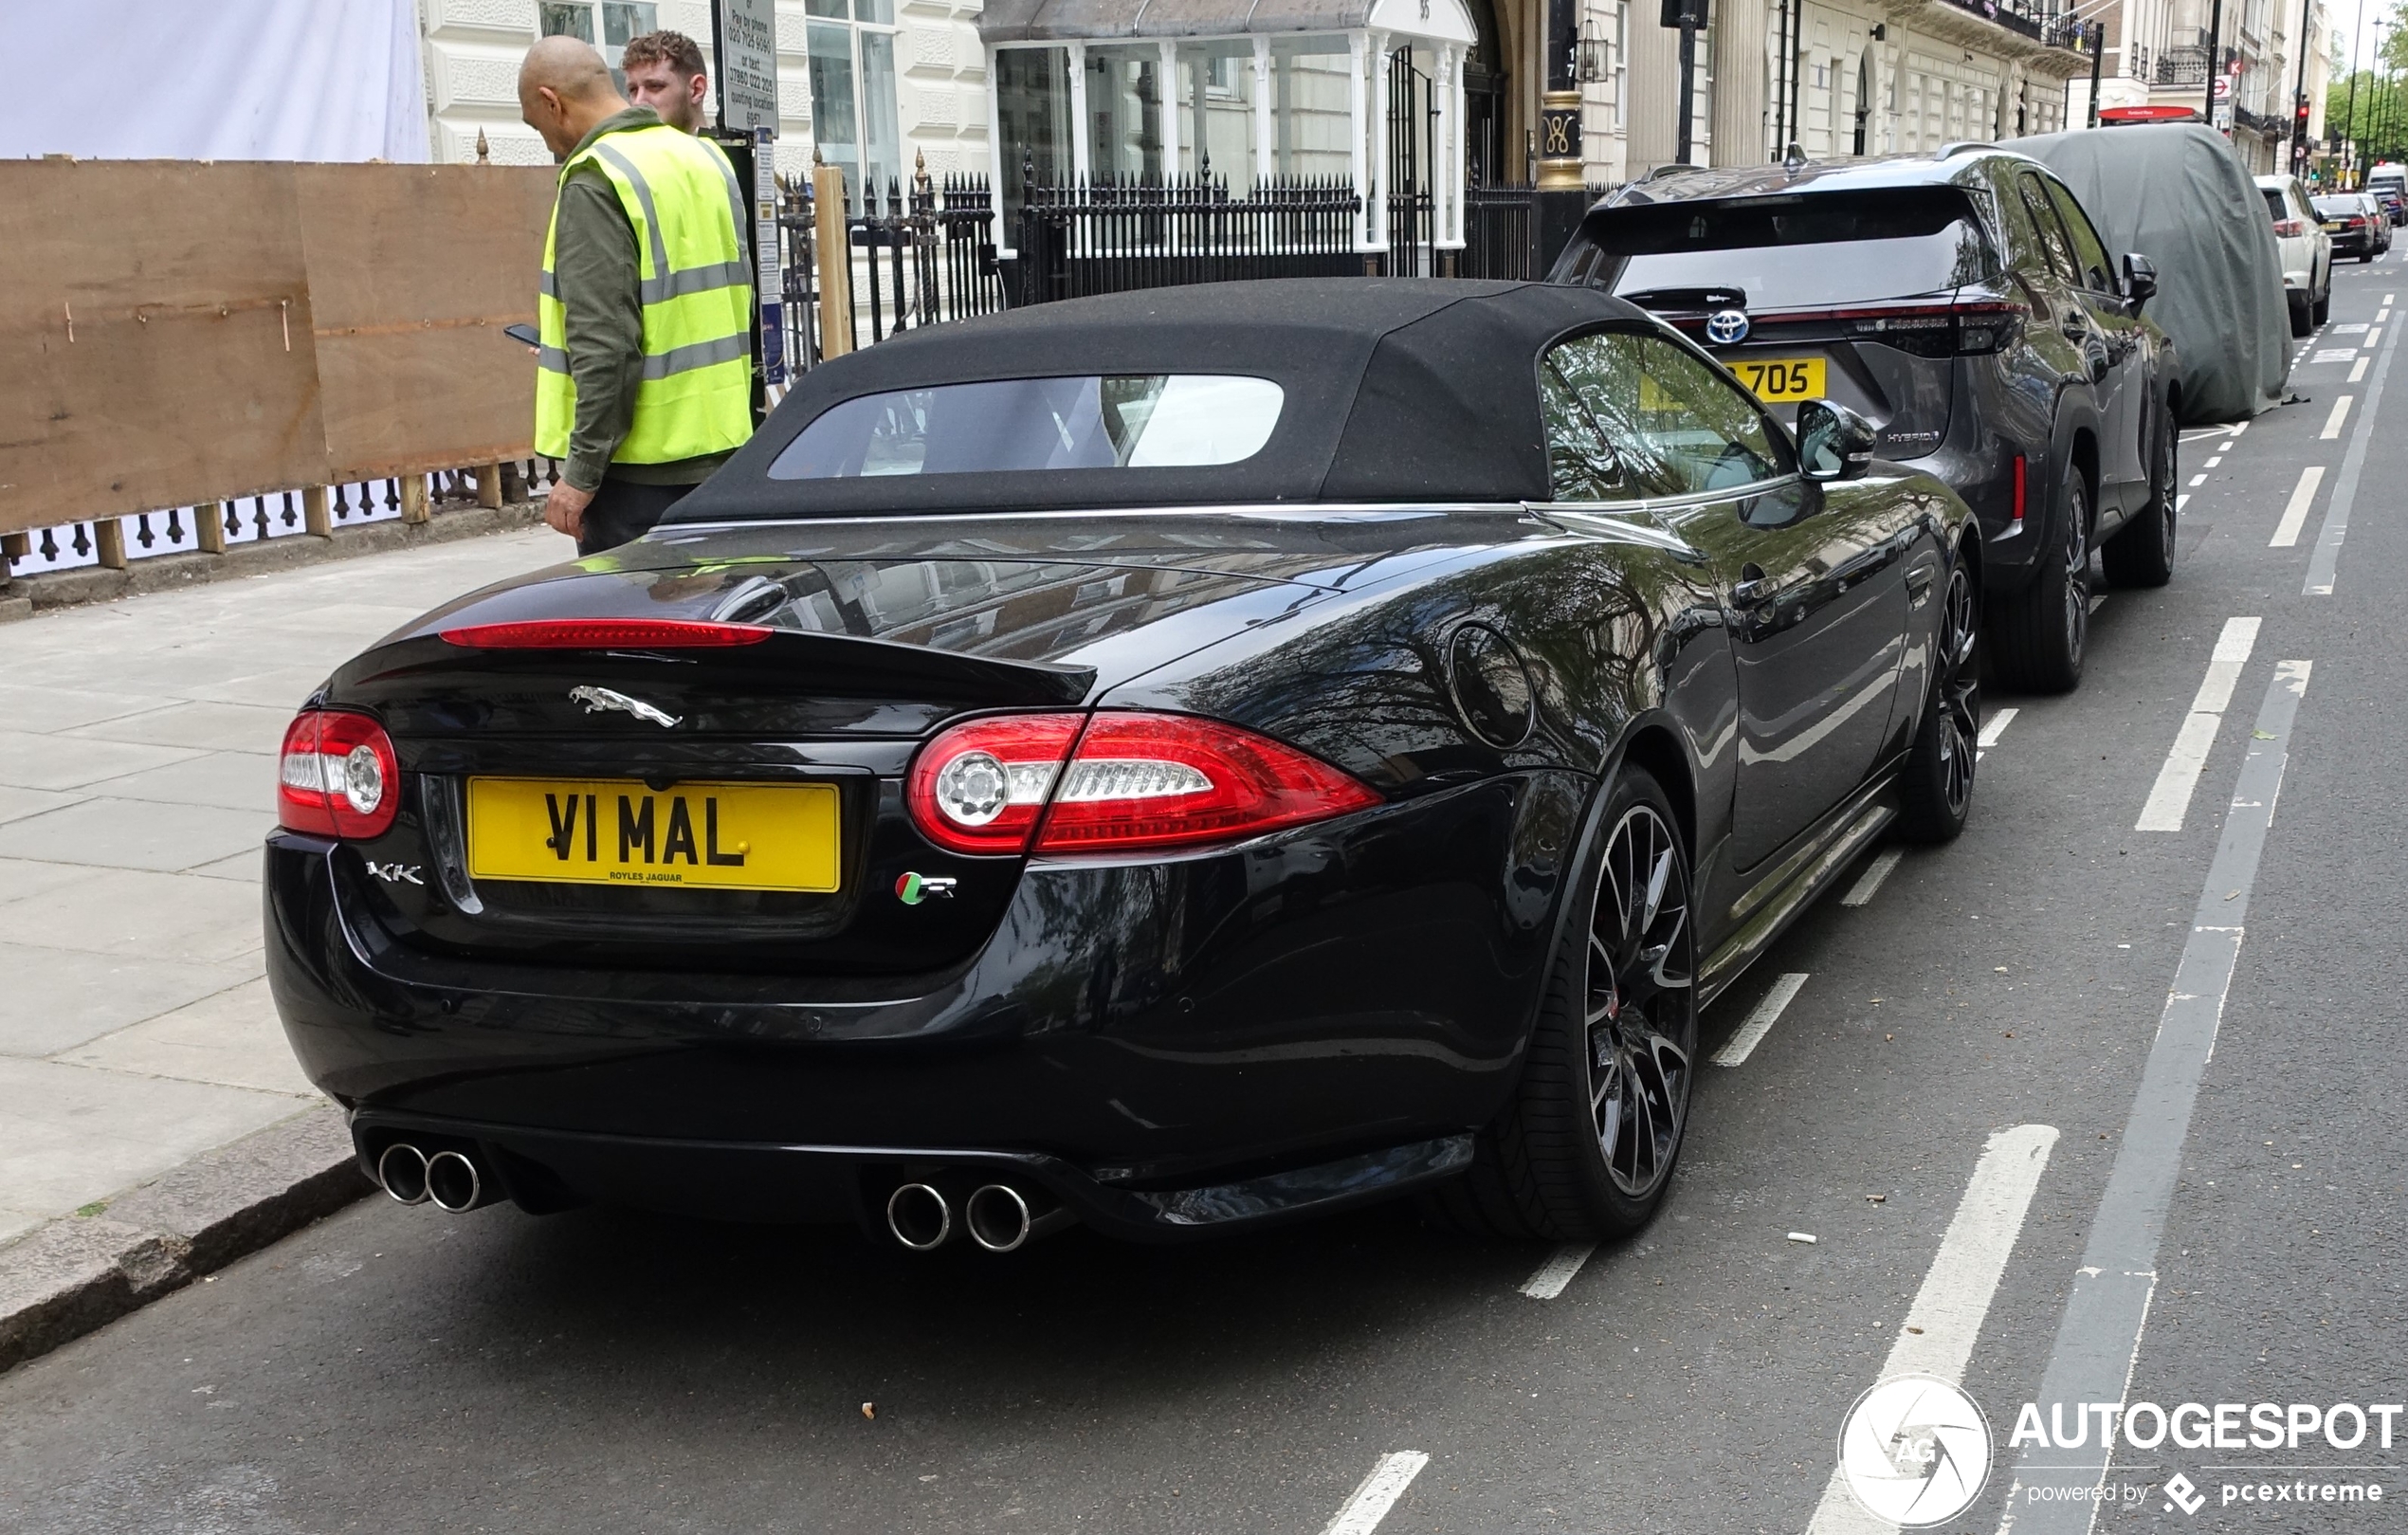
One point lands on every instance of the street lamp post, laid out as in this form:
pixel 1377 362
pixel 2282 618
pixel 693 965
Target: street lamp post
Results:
pixel 2215 56
pixel 2299 98
pixel 2349 118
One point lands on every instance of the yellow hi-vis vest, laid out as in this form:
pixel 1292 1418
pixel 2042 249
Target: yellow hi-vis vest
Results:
pixel 696 393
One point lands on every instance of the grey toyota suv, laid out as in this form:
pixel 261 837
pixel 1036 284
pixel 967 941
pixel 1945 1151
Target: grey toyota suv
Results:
pixel 1961 303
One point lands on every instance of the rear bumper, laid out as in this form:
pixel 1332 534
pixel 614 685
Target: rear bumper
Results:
pixel 1354 987
pixel 545 1169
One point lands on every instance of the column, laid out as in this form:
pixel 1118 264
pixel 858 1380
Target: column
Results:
pixel 1082 164
pixel 1169 55
pixel 1263 156
pixel 1381 158
pixel 996 160
pixel 1357 43
pixel 1446 176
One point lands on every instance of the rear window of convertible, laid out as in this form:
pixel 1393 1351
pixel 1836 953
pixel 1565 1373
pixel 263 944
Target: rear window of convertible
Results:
pixel 1126 421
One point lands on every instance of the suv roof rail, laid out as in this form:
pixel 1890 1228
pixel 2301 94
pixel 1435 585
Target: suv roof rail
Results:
pixel 1674 169
pixel 1960 145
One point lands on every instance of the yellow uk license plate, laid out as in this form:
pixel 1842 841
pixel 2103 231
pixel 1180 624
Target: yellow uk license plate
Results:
pixel 721 837
pixel 1779 378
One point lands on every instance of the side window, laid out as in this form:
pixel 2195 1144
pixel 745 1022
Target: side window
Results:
pixel 2044 218
pixel 1674 426
pixel 2089 252
pixel 1580 463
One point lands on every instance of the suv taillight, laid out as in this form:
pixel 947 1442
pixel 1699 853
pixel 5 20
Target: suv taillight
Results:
pixel 337 777
pixel 1133 782
pixel 1924 330
pixel 2288 229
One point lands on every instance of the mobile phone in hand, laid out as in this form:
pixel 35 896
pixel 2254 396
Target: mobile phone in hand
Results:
pixel 523 335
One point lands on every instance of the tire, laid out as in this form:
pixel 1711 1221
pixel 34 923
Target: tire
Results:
pixel 2036 636
pixel 1585 1149
pixel 2324 307
pixel 1936 790
pixel 2300 325
pixel 2141 552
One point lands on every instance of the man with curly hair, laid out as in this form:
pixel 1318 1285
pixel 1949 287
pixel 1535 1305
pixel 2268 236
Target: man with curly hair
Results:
pixel 664 71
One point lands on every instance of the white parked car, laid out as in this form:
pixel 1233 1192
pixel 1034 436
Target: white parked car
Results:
pixel 2307 251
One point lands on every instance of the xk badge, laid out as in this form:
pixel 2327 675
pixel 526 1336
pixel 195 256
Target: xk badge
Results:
pixel 911 889
pixel 397 874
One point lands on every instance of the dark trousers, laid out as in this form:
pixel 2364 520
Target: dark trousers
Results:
pixel 622 512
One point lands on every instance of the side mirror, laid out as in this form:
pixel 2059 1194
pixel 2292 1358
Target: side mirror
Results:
pixel 1834 441
pixel 2140 279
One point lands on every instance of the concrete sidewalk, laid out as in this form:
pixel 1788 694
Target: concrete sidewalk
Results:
pixel 137 776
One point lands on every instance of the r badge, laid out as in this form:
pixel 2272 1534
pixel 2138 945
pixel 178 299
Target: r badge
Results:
pixel 911 889
pixel 1726 327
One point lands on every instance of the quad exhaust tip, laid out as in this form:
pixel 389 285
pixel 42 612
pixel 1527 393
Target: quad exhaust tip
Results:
pixel 451 1178
pixel 920 1216
pixel 997 1218
pixel 453 1182
pixel 401 1171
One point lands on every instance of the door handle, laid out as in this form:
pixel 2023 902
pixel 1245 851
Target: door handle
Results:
pixel 1754 585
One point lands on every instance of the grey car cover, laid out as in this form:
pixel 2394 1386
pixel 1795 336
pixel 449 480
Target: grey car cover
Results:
pixel 2176 193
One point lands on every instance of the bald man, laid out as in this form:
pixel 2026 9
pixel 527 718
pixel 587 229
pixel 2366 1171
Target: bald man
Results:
pixel 644 376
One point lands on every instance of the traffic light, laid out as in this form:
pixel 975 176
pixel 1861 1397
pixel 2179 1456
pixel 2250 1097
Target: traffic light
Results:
pixel 2299 117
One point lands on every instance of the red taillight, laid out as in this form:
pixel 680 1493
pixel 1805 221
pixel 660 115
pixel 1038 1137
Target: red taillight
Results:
pixel 337 777
pixel 2289 227
pixel 2019 487
pixel 2357 221
pixel 605 634
pixel 1135 782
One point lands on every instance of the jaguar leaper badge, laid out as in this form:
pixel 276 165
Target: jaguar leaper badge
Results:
pixel 911 889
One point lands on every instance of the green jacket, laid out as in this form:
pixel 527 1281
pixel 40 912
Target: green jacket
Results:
pixel 595 269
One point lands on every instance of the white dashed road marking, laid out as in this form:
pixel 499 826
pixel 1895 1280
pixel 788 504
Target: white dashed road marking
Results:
pixel 2358 370
pixel 1946 1319
pixel 2099 1332
pixel 1760 1022
pixel 1557 1270
pixel 2295 514
pixel 2332 422
pixel 1377 1494
pixel 2170 799
pixel 1870 883
pixel 1993 727
pixel 2324 562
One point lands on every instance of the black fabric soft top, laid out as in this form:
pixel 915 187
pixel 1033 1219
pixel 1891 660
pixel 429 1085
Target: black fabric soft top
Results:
pixel 1397 390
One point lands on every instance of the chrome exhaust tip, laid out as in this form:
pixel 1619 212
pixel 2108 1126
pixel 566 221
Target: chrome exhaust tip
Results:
pixel 920 1217
pixel 452 1181
pixel 997 1218
pixel 401 1171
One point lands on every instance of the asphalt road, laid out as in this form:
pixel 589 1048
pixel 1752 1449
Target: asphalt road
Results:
pixel 399 1370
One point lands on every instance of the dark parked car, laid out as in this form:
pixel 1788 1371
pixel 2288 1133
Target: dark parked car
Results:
pixel 1172 762
pixel 2357 222
pixel 1963 304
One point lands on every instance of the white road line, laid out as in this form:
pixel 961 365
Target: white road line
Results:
pixel 2107 1308
pixel 1377 1494
pixel 2374 335
pixel 2324 562
pixel 2181 501
pixel 2332 422
pixel 1760 1022
pixel 2295 514
pixel 1994 727
pixel 2170 797
pixel 1870 883
pixel 1945 1320
pixel 2198 480
pixel 2358 369
pixel 2236 428
pixel 2098 601
pixel 1557 1270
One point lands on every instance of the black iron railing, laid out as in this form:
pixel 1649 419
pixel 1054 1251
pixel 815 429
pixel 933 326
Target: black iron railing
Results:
pixel 2184 63
pixel 2038 19
pixel 916 258
pixel 1111 237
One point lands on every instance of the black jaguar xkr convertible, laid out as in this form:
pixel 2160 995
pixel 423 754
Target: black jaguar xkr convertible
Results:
pixel 1170 762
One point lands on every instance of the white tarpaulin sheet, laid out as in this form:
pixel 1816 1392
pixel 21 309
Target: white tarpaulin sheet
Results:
pixel 215 80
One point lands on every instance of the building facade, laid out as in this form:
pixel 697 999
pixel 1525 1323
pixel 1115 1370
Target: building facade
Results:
pixel 2159 53
pixel 878 86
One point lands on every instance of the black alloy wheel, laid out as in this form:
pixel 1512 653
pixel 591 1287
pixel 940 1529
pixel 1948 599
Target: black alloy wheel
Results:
pixel 1585 1150
pixel 1937 786
pixel 1641 1020
pixel 2038 634
pixel 2141 552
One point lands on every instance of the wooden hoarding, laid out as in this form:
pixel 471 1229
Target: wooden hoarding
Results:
pixel 185 332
